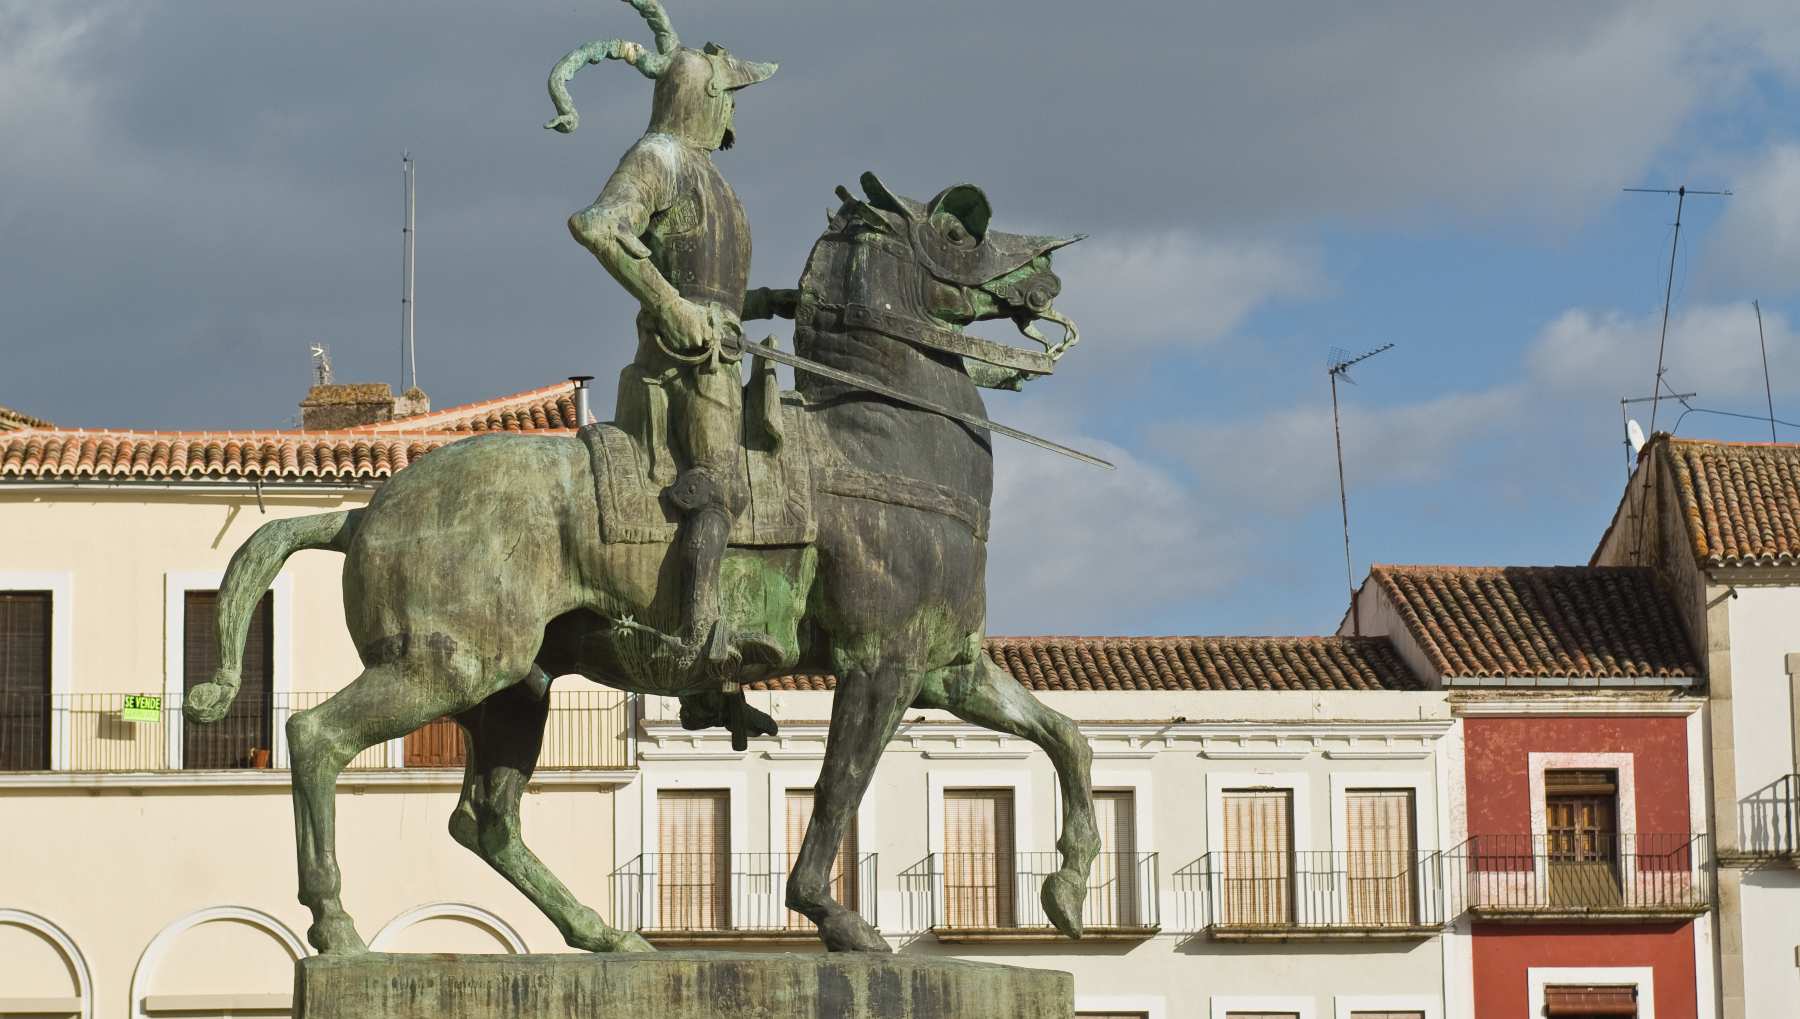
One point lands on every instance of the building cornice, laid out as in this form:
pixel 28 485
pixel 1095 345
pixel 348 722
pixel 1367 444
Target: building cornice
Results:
pixel 258 778
pixel 1572 705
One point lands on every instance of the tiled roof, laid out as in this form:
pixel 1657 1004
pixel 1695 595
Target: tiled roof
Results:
pixel 1740 501
pixel 1185 663
pixel 1541 621
pixel 547 409
pixel 174 456
pixel 13 420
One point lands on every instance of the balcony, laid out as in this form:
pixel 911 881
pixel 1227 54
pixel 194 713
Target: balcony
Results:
pixel 1593 877
pixel 973 897
pixel 688 899
pixel 1769 822
pixel 132 733
pixel 1317 895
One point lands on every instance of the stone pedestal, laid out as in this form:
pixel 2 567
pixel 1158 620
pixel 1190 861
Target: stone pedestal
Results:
pixel 674 985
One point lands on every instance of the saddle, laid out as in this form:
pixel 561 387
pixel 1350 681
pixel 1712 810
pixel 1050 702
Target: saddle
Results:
pixel 633 464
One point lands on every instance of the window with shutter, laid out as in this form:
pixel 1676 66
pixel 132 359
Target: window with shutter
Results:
pixel 1379 858
pixel 25 680
pixel 843 869
pixel 1113 880
pixel 1591 1002
pixel 436 744
pixel 978 858
pixel 693 859
pixel 1258 860
pixel 233 741
pixel 1582 837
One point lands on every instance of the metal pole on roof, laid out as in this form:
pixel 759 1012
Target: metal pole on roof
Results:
pixel 1338 364
pixel 1768 390
pixel 409 361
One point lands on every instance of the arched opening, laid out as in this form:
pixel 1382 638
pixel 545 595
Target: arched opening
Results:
pixel 448 927
pixel 226 960
pixel 42 972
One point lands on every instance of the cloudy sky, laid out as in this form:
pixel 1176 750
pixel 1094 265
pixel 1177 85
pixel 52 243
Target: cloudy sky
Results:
pixel 192 193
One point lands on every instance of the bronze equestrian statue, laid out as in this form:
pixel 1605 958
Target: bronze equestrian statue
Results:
pixel 856 518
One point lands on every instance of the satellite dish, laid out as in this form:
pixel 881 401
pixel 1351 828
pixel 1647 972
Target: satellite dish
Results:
pixel 1635 433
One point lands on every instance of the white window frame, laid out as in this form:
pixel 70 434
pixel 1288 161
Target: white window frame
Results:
pixel 783 780
pixel 1345 1006
pixel 61 585
pixel 176 585
pixel 1537 978
pixel 1154 1006
pixel 1625 800
pixel 1221 1007
pixel 736 784
pixel 1019 781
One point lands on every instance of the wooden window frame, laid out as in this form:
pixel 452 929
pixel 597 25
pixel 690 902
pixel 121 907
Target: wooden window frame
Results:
pixel 61 585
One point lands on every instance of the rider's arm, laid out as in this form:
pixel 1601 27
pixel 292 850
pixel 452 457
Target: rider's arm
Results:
pixel 764 302
pixel 613 227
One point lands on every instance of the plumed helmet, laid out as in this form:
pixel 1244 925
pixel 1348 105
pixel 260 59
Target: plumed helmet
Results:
pixel 693 87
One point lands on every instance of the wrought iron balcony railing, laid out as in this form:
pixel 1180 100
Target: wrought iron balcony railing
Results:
pixel 117 732
pixel 1769 819
pixel 1280 893
pixel 725 893
pixel 1560 875
pixel 956 894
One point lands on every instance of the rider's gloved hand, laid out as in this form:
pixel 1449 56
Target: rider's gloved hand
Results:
pixel 687 327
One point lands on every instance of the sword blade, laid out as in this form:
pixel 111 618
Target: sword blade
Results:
pixel 812 367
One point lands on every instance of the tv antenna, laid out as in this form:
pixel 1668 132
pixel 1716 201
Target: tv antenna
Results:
pixel 1337 366
pixel 321 355
pixel 1662 342
pixel 1633 443
pixel 1768 390
pixel 409 361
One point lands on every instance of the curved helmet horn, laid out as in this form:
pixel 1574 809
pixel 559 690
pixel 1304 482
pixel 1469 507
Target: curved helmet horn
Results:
pixel 650 65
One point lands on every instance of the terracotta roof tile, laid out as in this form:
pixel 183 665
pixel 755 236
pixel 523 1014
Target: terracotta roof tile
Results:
pixel 1740 501
pixel 1541 621
pixel 13 420
pixel 1185 663
pixel 550 408
pixel 175 456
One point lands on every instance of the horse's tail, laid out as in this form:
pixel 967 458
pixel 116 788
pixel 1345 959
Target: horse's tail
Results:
pixel 252 570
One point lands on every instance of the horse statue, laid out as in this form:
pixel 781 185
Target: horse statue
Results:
pixel 497 562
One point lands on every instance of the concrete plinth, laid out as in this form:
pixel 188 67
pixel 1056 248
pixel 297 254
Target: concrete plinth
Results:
pixel 674 985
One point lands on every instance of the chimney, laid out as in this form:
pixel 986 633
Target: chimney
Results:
pixel 581 398
pixel 349 404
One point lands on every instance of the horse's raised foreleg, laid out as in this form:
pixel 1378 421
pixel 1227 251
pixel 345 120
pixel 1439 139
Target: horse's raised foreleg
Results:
pixel 984 694
pixel 864 712
pixel 505 733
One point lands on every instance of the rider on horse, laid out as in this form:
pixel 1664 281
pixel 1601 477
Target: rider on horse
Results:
pixel 670 229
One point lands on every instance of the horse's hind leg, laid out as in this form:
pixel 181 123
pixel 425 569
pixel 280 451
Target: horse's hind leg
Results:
pixel 984 694
pixel 505 733
pixel 383 703
pixel 866 708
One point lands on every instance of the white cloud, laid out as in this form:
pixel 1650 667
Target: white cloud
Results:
pixel 1078 550
pixel 1286 461
pixel 1757 242
pixel 1712 350
pixel 1179 289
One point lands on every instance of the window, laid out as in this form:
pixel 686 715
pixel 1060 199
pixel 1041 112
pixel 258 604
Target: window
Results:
pixel 242 738
pixel 844 872
pixel 436 744
pixel 1262 1015
pixel 1387 1015
pixel 979 874
pixel 1258 858
pixel 1112 1015
pixel 1379 859
pixel 1590 1002
pixel 25 680
pixel 693 859
pixel 1582 837
pixel 1113 881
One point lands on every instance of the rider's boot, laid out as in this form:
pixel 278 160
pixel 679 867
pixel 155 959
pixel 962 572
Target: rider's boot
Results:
pixel 706 636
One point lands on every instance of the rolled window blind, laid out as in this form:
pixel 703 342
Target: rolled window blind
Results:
pixel 693 866
pixel 25 680
pixel 1113 880
pixel 248 722
pixel 978 858
pixel 1379 864
pixel 1258 871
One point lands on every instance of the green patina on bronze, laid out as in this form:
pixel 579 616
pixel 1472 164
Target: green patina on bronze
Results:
pixel 493 564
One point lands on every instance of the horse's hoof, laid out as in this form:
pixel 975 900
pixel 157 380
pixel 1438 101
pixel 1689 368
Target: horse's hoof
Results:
pixel 592 935
pixel 848 932
pixel 336 935
pixel 631 941
pixel 1062 896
